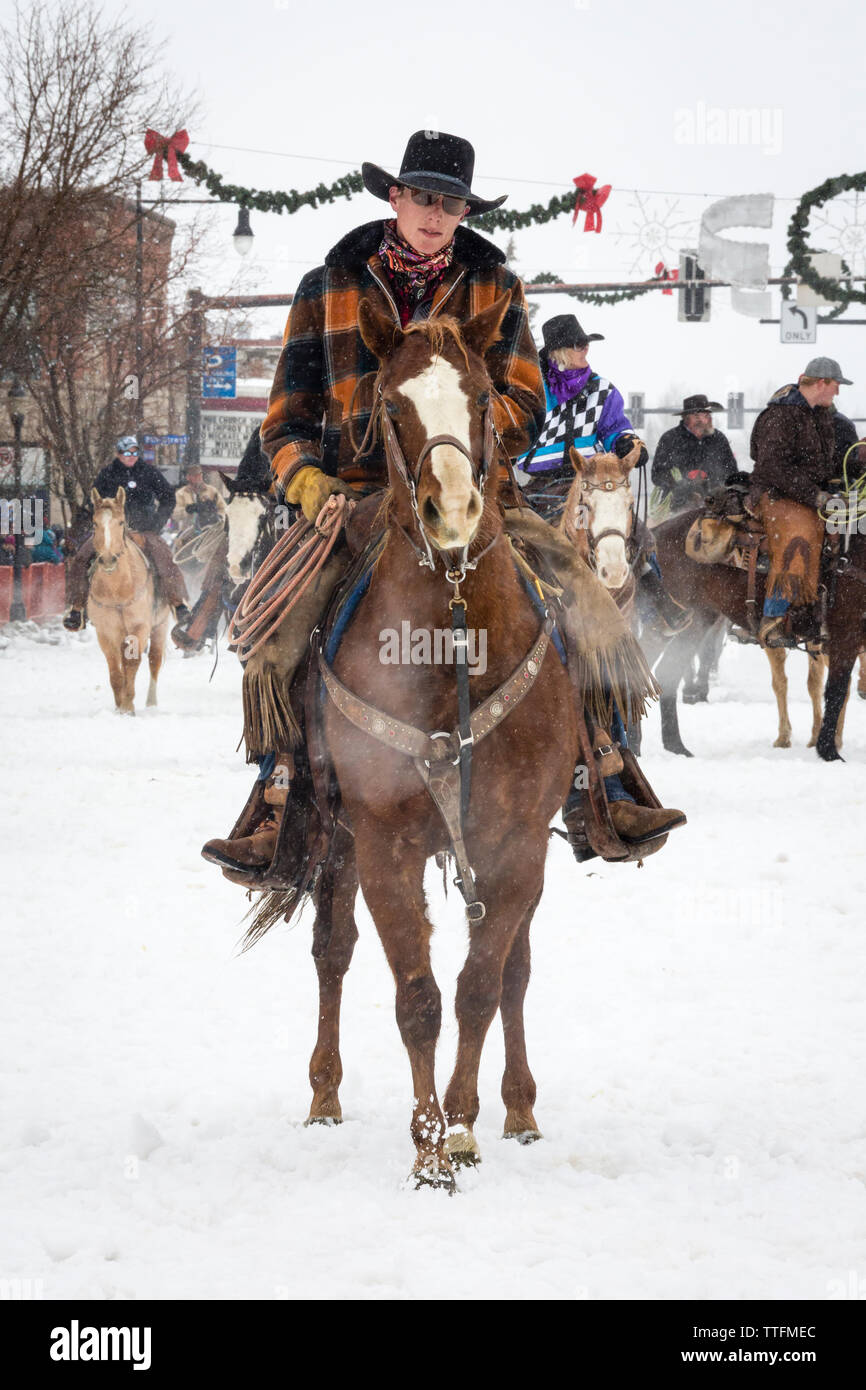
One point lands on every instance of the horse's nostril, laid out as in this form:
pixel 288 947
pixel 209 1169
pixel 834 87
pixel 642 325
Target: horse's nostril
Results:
pixel 430 512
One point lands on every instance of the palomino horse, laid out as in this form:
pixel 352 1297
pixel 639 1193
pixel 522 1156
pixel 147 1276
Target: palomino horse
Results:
pixel 445 550
pixel 710 590
pixel 121 603
pixel 598 519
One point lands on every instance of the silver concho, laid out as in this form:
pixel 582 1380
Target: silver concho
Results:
pixel 496 709
pixel 378 726
pixel 532 667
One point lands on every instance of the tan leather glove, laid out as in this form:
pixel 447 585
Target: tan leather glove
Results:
pixel 310 489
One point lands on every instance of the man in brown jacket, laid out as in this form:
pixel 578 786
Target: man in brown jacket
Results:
pixel 420 263
pixel 793 445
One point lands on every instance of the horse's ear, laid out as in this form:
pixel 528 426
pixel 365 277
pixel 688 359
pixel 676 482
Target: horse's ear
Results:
pixel 95 497
pixel 120 496
pixel 379 332
pixel 576 459
pixel 228 482
pixel 483 329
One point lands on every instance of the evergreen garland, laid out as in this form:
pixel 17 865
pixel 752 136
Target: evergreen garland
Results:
pixel 799 247
pixel 290 202
pixel 592 296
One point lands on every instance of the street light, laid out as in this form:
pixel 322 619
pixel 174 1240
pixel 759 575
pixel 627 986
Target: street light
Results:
pixel 17 610
pixel 243 233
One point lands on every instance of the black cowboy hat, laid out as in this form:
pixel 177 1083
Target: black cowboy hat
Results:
pixel 436 162
pixel 692 404
pixel 564 331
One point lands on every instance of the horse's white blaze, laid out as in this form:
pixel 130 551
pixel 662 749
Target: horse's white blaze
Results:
pixel 106 534
pixel 244 514
pixel 610 510
pixel 443 408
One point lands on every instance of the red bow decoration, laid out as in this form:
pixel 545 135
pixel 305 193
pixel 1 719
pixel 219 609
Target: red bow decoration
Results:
pixel 662 270
pixel 168 148
pixel 591 200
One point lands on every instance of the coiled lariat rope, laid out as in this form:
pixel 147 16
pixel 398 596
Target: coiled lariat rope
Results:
pixel 849 505
pixel 284 575
pixel 198 545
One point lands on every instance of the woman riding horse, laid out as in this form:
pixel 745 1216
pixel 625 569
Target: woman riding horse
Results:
pixel 422 264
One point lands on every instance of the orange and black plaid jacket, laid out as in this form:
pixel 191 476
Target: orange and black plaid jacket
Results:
pixel 324 357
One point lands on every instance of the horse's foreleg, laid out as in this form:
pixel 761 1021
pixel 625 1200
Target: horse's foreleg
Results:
pixel 835 696
pixel 155 656
pixel 334 938
pixel 510 895
pixel 518 1084
pixel 397 906
pixel 116 672
pixel 776 657
pixel 861 678
pixel 815 687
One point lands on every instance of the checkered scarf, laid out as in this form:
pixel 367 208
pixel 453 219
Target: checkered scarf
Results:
pixel 415 275
pixel 573 419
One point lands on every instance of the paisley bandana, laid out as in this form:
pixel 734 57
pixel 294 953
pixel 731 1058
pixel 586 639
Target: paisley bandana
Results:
pixel 414 275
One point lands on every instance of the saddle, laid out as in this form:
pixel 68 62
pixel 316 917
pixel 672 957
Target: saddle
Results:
pixel 728 533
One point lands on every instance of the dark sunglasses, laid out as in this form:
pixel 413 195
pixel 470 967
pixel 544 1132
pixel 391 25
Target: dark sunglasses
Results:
pixel 424 199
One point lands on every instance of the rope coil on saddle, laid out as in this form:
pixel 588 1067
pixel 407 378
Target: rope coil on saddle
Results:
pixel 284 575
pixel 199 546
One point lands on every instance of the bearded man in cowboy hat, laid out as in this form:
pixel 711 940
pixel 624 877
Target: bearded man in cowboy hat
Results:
pixel 794 446
pixel 419 263
pixel 694 450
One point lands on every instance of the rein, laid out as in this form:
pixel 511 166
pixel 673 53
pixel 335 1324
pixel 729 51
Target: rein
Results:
pixel 443 759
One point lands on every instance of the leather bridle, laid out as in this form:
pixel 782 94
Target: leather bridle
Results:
pixel 409 477
pixel 627 538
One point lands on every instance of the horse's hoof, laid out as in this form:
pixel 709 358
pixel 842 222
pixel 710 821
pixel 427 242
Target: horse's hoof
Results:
pixel 322 1120
pixel 862 694
pixel 828 752
pixel 461 1147
pixel 784 743
pixel 524 1136
pixel 436 1173
pixel 679 748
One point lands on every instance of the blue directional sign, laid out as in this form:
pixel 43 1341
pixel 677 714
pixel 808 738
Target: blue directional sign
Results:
pixel 219 372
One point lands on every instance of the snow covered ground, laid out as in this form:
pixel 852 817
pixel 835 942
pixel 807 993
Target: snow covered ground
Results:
pixel 696 1030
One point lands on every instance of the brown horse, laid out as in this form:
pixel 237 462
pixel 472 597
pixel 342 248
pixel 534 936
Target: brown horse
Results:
pixel 121 605
pixel 710 590
pixel 444 548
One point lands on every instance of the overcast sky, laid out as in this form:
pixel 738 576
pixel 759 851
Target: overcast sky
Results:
pixel 628 92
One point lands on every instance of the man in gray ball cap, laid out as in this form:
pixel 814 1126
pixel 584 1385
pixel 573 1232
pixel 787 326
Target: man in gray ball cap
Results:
pixel 793 445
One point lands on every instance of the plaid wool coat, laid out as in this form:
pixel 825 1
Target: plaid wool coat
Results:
pixel 324 357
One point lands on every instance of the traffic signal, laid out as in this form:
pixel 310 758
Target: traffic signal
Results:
pixel 694 300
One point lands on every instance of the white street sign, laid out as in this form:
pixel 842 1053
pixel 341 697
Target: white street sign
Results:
pixel 798 323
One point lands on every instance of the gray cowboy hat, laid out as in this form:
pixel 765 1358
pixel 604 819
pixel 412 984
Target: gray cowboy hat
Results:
pixel 693 404
pixel 436 162
pixel 564 331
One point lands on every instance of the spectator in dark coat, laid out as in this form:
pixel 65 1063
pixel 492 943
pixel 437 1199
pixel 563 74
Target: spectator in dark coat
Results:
pixel 694 449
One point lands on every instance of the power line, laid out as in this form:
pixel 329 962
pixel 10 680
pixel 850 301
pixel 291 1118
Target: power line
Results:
pixel 484 178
